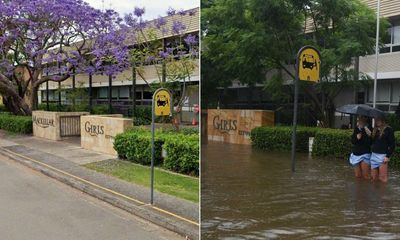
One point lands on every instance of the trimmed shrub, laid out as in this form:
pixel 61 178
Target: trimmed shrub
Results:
pixel 182 154
pixel 332 142
pixel 394 121
pixel 135 146
pixel 142 115
pixel 395 161
pixel 182 149
pixel 280 138
pixel 2 108
pixel 99 109
pixel 16 124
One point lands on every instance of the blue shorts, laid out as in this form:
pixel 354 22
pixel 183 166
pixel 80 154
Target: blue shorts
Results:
pixel 356 159
pixel 377 159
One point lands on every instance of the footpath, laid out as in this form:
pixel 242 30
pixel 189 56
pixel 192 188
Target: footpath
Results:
pixel 62 160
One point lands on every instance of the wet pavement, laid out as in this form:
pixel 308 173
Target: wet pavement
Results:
pixel 251 194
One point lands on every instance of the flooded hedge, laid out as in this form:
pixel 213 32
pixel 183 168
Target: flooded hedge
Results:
pixel 327 142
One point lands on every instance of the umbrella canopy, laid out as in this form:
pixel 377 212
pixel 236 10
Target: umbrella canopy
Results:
pixel 361 109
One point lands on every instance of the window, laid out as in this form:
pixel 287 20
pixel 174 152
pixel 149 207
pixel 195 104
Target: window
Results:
pixel 392 39
pixel 114 92
pixel 124 92
pixel 147 95
pixel 103 93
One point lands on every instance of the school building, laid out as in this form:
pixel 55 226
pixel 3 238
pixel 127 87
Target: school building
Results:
pixel 122 87
pixel 388 88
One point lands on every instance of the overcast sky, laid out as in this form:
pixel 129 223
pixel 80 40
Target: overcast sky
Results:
pixel 154 8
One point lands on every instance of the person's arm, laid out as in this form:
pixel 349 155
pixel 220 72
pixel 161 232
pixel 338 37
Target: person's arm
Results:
pixel 391 142
pixel 354 139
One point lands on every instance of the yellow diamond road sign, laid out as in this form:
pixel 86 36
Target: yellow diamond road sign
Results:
pixel 162 102
pixel 309 64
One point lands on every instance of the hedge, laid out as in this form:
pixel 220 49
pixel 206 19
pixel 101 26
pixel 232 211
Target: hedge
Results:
pixel 327 142
pixel 395 161
pixel 16 124
pixel 332 142
pixel 280 138
pixel 182 154
pixel 182 149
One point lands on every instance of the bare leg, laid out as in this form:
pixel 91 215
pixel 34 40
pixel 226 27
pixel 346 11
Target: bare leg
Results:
pixel 357 171
pixel 374 174
pixel 383 173
pixel 365 169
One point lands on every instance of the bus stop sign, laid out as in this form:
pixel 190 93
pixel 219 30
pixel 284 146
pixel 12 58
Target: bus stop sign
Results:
pixel 309 64
pixel 162 102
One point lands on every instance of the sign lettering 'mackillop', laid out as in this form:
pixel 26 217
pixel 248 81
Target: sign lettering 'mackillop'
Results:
pixel 43 122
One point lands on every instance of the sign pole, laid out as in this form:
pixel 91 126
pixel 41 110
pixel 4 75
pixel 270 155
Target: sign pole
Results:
pixel 296 103
pixel 152 153
pixel 161 106
pixel 308 65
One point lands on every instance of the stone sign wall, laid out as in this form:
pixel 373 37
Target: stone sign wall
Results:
pixel 47 124
pixel 234 126
pixel 98 131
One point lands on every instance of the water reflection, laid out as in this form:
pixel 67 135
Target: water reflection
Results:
pixel 250 194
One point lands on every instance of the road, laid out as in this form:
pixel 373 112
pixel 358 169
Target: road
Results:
pixel 36 207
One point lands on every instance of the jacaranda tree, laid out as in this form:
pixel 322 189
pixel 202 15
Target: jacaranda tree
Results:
pixel 69 35
pixel 46 40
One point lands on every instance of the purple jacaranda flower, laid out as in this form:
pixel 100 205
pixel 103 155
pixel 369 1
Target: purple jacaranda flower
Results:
pixel 190 39
pixel 150 59
pixel 139 11
pixel 160 22
pixel 171 11
pixel 182 12
pixel 177 27
pixel 163 54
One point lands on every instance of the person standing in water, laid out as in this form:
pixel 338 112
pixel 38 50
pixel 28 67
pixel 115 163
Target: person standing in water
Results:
pixel 383 145
pixel 361 154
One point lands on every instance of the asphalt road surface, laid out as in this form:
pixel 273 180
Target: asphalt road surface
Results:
pixel 36 207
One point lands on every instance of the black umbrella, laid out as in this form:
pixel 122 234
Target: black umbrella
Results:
pixel 361 109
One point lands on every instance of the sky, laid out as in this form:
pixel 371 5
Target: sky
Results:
pixel 154 8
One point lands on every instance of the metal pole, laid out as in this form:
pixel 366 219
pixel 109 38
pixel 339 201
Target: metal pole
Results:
pixel 90 93
pixel 152 152
pixel 376 51
pixel 110 94
pixel 296 102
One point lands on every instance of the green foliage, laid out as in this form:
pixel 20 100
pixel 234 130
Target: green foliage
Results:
pixel 135 146
pixel 395 160
pixel 182 149
pixel 332 142
pixel 280 138
pixel 246 39
pixel 142 115
pixel 182 154
pixel 2 108
pixel 100 109
pixel 16 124
pixel 81 107
pixel 394 121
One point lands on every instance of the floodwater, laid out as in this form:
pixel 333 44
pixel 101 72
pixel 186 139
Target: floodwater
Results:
pixel 251 194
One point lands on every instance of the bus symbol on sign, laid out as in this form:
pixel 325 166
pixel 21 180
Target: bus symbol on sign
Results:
pixel 308 62
pixel 162 102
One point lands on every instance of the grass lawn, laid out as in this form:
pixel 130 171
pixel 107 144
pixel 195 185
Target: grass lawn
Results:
pixel 164 181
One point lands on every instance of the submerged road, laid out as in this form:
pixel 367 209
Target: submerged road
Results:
pixel 36 207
